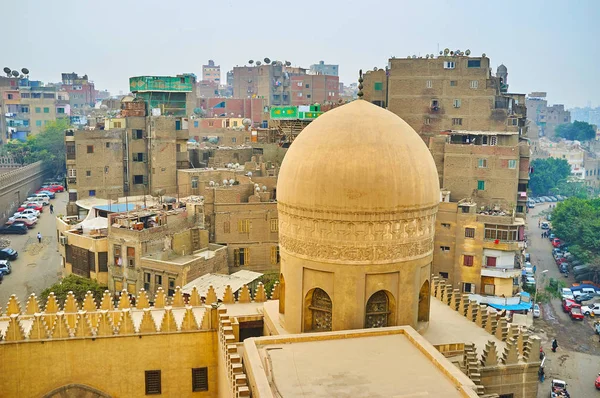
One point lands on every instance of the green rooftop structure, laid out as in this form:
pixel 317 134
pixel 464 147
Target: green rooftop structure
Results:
pixel 295 112
pixel 167 93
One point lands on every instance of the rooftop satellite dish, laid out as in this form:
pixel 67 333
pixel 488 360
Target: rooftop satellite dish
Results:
pixel 231 181
pixel 267 61
pixel 446 51
pixel 426 56
pixel 212 183
pixel 468 52
pixel 247 122
pixel 251 62
pixel 25 71
pixel 408 57
pixel 264 188
pixel 451 52
pixel 258 63
pixel 414 57
pixel 225 182
pixel 7 70
pixel 375 69
pixel 483 55
pixel 441 52
pixel 288 63
pixel 249 174
pixel 15 73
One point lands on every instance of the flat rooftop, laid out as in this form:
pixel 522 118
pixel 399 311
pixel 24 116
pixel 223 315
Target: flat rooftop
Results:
pixel 388 362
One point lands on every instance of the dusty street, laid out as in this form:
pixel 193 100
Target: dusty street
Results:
pixel 38 265
pixel 577 360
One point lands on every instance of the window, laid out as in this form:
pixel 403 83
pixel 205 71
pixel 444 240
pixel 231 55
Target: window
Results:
pixel 38 109
pixel 46 110
pixel 233 140
pixel 501 232
pixel 194 182
pixel 444 275
pixel 482 163
pixel 274 225
pixel 299 84
pixel 449 64
pixel 138 157
pixel 493 140
pixel 469 232
pixel 60 110
pixel 481 185
pixel 199 379
pixel 427 121
pixel 468 287
pixel 378 86
pixel 512 164
pixel 490 261
pixel 25 109
pixel 445 225
pixel 275 255
pixel 195 123
pixel 137 134
pixel 171 290
pixel 474 84
pixel 131 257
pixel 92 192
pixel 138 179
pixel 299 94
pixel 153 384
pixel 241 256
pixel 474 63
pixel 88 173
pixel 73 173
pixel 445 249
pixel 38 123
pixel 211 124
pixel 117 125
pixel 435 104
pixel 457 103
pixel 428 84
pixel 226 227
pixel 147 278
pixel 457 121
pixel 158 280
pixel 519 208
pixel 466 209
pixel 244 226
pixel 117 254
pixel 70 150
pixel 90 149
pixel 308 95
pixel 307 85
pixel 10 96
pixel 453 83
pixel 467 260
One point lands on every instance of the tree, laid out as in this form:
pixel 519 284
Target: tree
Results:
pixel 579 131
pixel 547 174
pixel 48 146
pixel 76 284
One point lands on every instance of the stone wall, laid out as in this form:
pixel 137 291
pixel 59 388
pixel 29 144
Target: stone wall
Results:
pixel 18 184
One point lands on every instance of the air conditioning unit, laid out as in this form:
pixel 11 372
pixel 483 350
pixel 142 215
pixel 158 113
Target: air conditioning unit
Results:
pixel 62 240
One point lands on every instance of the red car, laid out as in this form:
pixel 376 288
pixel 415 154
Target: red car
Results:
pixel 567 304
pixel 598 382
pixel 560 260
pixel 32 205
pixel 22 220
pixel 53 188
pixel 556 242
pixel 576 313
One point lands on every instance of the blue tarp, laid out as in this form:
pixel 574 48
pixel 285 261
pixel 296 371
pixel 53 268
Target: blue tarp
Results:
pixel 512 307
pixel 117 207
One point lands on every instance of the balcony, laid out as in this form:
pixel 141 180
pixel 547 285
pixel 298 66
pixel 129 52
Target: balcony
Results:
pixel 497 272
pixel 521 196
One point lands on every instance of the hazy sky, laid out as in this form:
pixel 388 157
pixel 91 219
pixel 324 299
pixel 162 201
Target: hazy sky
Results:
pixel 547 45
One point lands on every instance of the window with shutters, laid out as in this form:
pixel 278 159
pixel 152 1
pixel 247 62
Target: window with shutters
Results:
pixel 138 157
pixel 226 227
pixel 512 164
pixel 457 121
pixel 131 257
pixel 468 287
pixel 482 163
pixel 480 185
pixel 274 225
pixel 158 280
pixel 199 379
pixel 428 84
pixel 194 182
pixel 241 256
pixel 117 255
pixel 90 149
pixel 171 291
pixel 147 279
pixel 474 84
pixel 102 261
pixel 490 261
pixel 467 260
pixel 457 103
pixel 274 255
pixel 244 226
pixel 469 232
pixel 137 134
pixel 378 86
pixel 153 382
pixel 501 232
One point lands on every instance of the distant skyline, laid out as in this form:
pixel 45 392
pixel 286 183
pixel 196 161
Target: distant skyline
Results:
pixel 546 45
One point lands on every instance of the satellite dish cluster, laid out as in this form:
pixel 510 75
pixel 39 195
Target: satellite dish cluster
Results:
pixel 267 61
pixel 15 73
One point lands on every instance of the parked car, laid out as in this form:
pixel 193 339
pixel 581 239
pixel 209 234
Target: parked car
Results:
pixel 528 257
pixel 567 304
pixel 54 186
pixel 43 201
pixel 8 254
pixel 28 217
pixel 558 387
pixel 531 205
pixel 597 327
pixel 593 308
pixel 545 225
pixel 50 194
pixel 31 205
pixel 5 267
pixel 563 268
pixel 530 281
pixel 580 298
pixel 575 313
pixel 17 228
pixel 27 212
pixel 551 237
pixel 536 311
pixel 597 382
pixel 566 293
pixel 556 242
pixel 22 220
pixel 553 199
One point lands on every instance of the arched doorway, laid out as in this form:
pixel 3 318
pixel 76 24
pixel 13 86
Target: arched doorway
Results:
pixel 76 391
pixel 424 297
pixel 317 311
pixel 379 311
pixel 281 294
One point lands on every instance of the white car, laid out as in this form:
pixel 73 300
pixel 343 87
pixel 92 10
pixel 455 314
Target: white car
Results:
pixel 27 216
pixel 530 281
pixel 536 311
pixel 566 293
pixel 593 308
pixel 32 212
pixel 39 199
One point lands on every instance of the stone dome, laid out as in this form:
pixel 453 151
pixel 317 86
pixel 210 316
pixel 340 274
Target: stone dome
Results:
pixel 358 157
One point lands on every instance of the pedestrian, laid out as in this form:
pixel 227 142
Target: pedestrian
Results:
pixel 39 236
pixel 554 345
pixel 542 234
pixel 541 374
pixel 51 209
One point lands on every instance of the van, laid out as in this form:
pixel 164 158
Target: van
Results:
pixel 40 200
pixel 42 195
